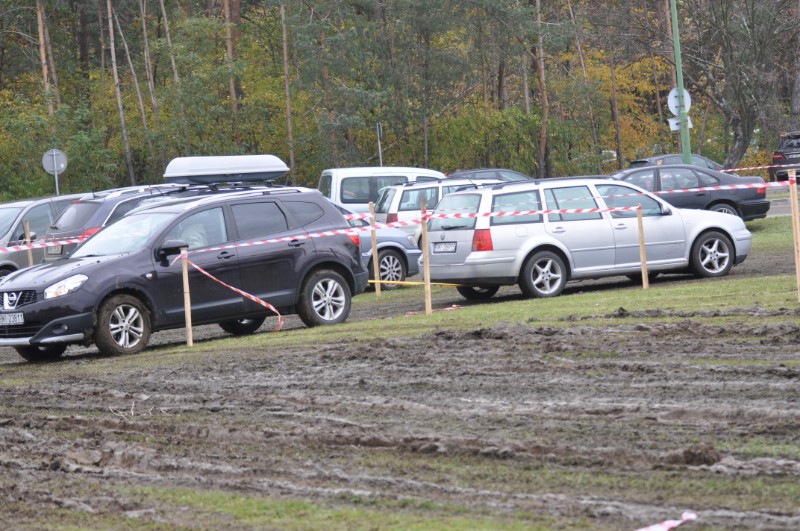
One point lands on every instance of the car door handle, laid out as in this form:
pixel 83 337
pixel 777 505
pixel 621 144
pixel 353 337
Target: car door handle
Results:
pixel 559 230
pixel 225 255
pixel 296 243
pixel 620 226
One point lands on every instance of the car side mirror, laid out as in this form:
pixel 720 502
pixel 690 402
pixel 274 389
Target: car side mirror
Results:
pixel 666 211
pixel 170 247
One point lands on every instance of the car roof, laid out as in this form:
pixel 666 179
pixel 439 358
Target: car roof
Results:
pixel 180 204
pixel 362 171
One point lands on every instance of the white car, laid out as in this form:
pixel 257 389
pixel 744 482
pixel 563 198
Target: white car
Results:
pixel 582 240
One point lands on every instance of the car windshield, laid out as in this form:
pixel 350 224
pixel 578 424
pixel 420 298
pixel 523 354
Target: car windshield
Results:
pixel 75 216
pixel 127 235
pixel 8 216
pixel 385 196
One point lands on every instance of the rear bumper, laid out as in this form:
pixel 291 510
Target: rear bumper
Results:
pixel 755 209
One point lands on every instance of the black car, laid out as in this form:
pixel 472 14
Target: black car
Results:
pixel 786 154
pixel 84 216
pixel 501 174
pixel 123 283
pixel 675 158
pixel 749 202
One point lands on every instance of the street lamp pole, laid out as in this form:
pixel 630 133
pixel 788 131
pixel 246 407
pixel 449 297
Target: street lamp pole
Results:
pixel 683 118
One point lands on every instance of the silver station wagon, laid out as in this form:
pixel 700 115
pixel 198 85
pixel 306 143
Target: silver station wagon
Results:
pixel 541 252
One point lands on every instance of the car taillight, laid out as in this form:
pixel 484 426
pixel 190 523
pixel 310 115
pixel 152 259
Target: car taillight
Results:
pixel 88 232
pixel 356 239
pixel 391 218
pixel 482 240
pixel 761 190
pixel 778 157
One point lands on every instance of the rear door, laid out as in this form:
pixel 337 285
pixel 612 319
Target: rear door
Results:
pixel 678 187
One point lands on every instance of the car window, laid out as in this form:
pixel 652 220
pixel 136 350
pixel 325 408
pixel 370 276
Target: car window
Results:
pixel 324 185
pixel 355 190
pixel 128 235
pixel 75 216
pixel 426 178
pixel 678 179
pixel 412 199
pixel 570 198
pixel 512 176
pixel 304 212
pixel 258 219
pixel 450 189
pixel 516 202
pixel 198 230
pixel 7 217
pixel 456 204
pixel 39 219
pixel 642 179
pixel 384 200
pixel 616 196
pixel 123 208
pixel 705 179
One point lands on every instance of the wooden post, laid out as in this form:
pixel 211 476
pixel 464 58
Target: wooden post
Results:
pixel 795 226
pixel 27 229
pixel 642 250
pixel 376 259
pixel 426 264
pixel 187 299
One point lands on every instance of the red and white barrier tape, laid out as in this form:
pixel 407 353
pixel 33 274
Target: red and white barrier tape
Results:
pixel 40 245
pixel 246 295
pixel 666 525
pixel 796 166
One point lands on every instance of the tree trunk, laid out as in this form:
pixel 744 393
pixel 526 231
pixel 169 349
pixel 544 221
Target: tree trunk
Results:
pixel 124 128
pixel 615 112
pixel 52 63
pixel 226 6
pixel 542 159
pixel 148 65
pixel 289 131
pixel 43 57
pixel 102 34
pixel 794 124
pixel 136 85
pixel 175 76
pixel 579 46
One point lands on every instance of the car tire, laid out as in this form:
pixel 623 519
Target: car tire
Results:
pixel 5 271
pixel 39 353
pixel 242 327
pixel 324 299
pixel 391 267
pixel 725 208
pixel 477 293
pixel 543 275
pixel 123 326
pixel 712 255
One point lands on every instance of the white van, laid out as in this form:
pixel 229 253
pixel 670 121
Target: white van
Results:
pixel 355 188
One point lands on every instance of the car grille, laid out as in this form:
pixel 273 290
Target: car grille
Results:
pixel 17 331
pixel 23 298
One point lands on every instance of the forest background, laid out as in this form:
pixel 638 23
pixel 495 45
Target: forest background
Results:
pixel 549 88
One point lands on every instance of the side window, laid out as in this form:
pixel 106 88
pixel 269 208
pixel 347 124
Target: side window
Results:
pixel 516 202
pixel 202 229
pixel 355 190
pixel 389 180
pixel 705 179
pixel 258 219
pixel 39 220
pixel 643 179
pixel 616 196
pixel 324 185
pixel 412 199
pixel 678 179
pixel 304 212
pixel 571 198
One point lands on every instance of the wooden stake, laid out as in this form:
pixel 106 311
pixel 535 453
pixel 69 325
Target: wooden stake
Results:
pixel 376 259
pixel 642 251
pixel 426 264
pixel 187 299
pixel 795 226
pixel 27 227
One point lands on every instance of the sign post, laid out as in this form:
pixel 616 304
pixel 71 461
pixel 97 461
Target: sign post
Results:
pixel 54 161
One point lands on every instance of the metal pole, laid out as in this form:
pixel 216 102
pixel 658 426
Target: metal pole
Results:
pixel 55 169
pixel 686 148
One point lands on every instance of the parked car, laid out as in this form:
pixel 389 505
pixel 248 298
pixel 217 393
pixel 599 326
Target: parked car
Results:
pixel 786 154
pixel 747 203
pixel 675 158
pixel 541 253
pixel 84 216
pixel 501 174
pixel 122 284
pixel 398 252
pixel 355 188
pixel 403 202
pixel 39 213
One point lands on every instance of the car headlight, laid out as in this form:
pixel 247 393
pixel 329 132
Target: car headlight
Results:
pixel 65 287
pixel 411 241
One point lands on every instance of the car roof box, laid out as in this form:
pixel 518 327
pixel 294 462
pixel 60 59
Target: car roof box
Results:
pixel 225 169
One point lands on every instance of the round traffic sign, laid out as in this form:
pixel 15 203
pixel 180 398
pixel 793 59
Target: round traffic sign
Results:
pixel 672 100
pixel 54 161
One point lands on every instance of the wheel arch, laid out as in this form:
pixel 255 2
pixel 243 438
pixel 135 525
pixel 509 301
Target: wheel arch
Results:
pixel 340 268
pixel 725 202
pixel 546 247
pixel 133 292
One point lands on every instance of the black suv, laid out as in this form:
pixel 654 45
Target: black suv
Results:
pixel 124 282
pixel 786 154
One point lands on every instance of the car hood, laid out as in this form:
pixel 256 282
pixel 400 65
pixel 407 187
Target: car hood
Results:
pixel 42 275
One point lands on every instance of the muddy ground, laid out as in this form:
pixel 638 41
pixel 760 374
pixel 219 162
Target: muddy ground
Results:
pixel 579 426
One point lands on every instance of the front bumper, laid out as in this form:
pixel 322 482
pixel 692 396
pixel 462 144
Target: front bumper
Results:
pixel 69 330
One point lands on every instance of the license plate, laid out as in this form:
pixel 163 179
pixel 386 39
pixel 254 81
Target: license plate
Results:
pixel 55 249
pixel 12 319
pixel 444 247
